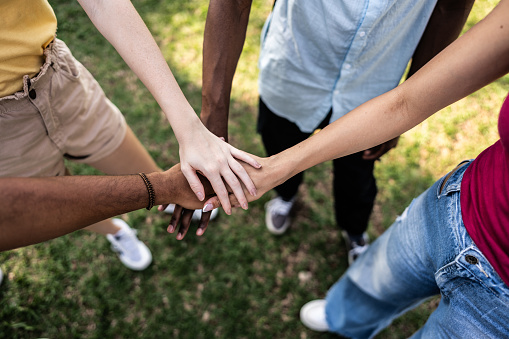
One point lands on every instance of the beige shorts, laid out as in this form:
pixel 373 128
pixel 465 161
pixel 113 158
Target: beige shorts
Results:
pixel 61 113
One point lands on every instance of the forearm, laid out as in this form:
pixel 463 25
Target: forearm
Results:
pixel 33 210
pixel 37 209
pixel 471 62
pixel 444 26
pixel 119 22
pixel 225 32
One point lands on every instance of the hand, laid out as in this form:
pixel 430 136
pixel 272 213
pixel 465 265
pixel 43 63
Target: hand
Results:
pixel 175 189
pixel 217 161
pixel 376 152
pixel 181 193
pixel 184 216
pixel 270 175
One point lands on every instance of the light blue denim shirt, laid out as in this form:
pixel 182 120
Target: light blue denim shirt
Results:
pixel 318 54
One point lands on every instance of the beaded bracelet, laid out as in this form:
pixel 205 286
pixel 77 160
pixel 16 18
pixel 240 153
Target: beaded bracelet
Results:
pixel 150 189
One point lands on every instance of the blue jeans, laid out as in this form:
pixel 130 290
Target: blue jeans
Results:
pixel 426 252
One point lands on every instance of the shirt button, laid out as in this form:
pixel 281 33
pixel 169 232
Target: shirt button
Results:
pixel 361 34
pixel 471 259
pixel 348 66
pixel 32 94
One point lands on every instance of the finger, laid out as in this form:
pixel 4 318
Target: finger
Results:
pixel 233 200
pixel 382 150
pixel 233 182
pixel 372 153
pixel 244 156
pixel 212 203
pixel 221 192
pixel 194 181
pixel 161 208
pixel 204 222
pixel 175 218
pixel 242 174
pixel 184 223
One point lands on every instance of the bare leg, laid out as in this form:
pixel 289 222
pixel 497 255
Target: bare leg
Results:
pixel 129 158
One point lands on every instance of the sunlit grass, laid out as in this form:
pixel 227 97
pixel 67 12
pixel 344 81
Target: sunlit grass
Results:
pixel 237 281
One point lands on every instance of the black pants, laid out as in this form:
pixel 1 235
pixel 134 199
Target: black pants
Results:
pixel 354 183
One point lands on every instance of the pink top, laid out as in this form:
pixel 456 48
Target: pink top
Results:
pixel 485 199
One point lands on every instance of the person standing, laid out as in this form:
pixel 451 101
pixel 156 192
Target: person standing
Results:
pixel 52 108
pixel 318 61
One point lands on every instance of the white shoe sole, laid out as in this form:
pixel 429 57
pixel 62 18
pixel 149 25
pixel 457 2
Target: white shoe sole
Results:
pixel 312 315
pixel 145 254
pixel 274 230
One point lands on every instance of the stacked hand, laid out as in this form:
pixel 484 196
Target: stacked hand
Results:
pixel 264 178
pixel 218 161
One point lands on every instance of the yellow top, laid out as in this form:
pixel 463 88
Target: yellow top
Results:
pixel 26 27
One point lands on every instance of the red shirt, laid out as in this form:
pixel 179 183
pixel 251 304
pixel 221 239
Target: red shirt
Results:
pixel 485 199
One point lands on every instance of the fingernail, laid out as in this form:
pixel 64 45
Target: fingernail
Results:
pixel 170 229
pixel 258 165
pixel 200 196
pixel 244 206
pixel 199 232
pixel 208 208
pixel 254 192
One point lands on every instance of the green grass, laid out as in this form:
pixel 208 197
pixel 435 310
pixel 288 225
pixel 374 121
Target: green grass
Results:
pixel 236 281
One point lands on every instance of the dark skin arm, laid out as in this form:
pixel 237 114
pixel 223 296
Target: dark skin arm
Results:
pixel 225 33
pixel 444 26
pixel 89 198
pixel 225 29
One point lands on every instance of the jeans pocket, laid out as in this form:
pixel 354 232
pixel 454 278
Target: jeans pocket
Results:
pixel 445 187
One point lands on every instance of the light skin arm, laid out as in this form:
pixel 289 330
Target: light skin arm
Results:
pixel 200 150
pixel 471 62
pixel 61 205
pixel 225 31
pixel 444 26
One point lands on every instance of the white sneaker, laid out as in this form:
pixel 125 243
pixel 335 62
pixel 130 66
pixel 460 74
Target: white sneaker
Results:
pixel 312 315
pixel 133 253
pixel 196 215
pixel 277 215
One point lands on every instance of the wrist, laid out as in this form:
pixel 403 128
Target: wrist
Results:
pixel 280 167
pixel 163 188
pixel 215 119
pixel 185 129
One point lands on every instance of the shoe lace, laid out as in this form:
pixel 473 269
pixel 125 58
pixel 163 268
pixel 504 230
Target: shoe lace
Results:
pixel 281 207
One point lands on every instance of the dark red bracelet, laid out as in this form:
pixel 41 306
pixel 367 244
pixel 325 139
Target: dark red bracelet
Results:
pixel 150 189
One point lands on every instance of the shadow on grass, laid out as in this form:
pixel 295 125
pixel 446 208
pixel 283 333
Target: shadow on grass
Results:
pixel 235 281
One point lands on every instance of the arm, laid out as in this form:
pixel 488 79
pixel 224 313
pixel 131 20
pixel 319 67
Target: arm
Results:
pixel 51 199
pixel 471 62
pixel 444 26
pixel 200 150
pixel 225 33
